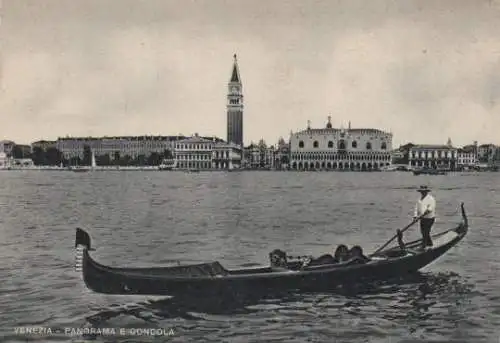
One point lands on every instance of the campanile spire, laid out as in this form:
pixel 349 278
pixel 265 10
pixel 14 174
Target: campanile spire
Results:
pixel 235 75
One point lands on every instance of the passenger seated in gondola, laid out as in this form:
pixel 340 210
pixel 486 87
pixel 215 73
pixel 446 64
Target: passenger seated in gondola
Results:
pixel 278 259
pixel 341 254
pixel 323 259
pixel 356 255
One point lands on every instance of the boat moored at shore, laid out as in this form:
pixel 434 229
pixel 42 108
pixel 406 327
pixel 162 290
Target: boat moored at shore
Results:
pixel 167 165
pixel 429 171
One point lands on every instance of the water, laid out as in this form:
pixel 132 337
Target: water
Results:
pixel 153 218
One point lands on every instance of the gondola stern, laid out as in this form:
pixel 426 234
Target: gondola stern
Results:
pixel 463 227
pixel 464 215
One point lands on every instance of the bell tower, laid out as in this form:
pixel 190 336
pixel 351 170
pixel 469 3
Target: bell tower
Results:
pixel 235 106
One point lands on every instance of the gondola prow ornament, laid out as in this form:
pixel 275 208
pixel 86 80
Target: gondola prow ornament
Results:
pixel 82 238
pixel 82 241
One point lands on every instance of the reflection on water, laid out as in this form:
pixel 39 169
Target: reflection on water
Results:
pixel 149 219
pixel 413 290
pixel 416 303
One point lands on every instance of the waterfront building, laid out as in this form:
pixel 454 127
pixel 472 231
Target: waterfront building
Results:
pixel 117 146
pixel 206 154
pixel 345 149
pixel 251 156
pixel 17 151
pixel 496 157
pixel 8 162
pixel 235 107
pixel 194 153
pixel 433 156
pixel 282 155
pixel 6 147
pixel 397 156
pixel 259 156
pixel 472 148
pixel 43 145
pixel 227 156
pixel 486 153
pixel 402 154
pixel 23 151
pixel 4 160
pixel 466 157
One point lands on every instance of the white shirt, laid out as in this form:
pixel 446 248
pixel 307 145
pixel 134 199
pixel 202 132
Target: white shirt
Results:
pixel 427 203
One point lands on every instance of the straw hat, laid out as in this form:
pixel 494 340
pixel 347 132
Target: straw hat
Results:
pixel 423 189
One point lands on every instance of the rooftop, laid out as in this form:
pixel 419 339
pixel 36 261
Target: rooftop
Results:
pixel 197 138
pixel 351 131
pixel 466 150
pixel 329 129
pixel 433 146
pixel 137 138
pixel 44 142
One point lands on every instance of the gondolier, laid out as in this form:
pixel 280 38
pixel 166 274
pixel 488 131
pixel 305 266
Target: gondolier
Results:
pixel 426 209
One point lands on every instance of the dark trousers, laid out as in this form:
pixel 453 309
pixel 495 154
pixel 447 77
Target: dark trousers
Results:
pixel 425 229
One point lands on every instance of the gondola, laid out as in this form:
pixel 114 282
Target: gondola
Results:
pixel 212 279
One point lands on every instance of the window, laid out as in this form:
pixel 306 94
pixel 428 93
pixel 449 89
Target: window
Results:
pixel 354 144
pixel 341 145
pixel 383 146
pixel 315 144
pixel 368 146
pixel 301 144
pixel 330 144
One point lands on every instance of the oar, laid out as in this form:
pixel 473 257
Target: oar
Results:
pixel 399 232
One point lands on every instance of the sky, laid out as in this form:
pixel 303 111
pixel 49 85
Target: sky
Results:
pixel 425 70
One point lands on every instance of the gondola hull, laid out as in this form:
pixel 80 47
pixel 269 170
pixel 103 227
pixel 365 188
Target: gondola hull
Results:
pixel 211 279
